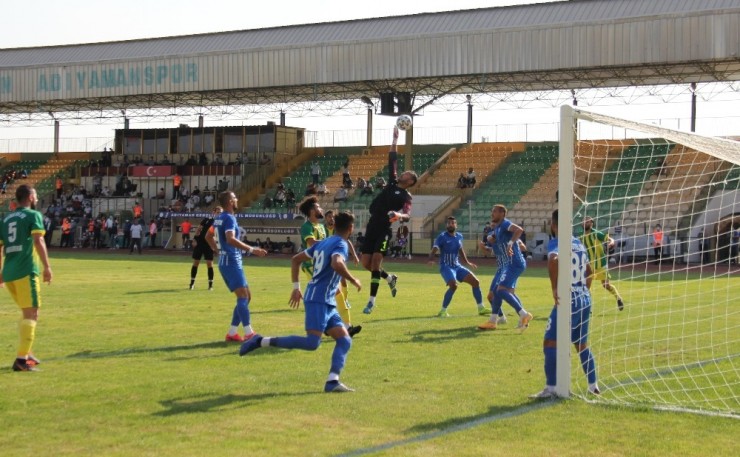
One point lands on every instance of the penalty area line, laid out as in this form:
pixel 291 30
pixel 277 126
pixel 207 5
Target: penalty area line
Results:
pixel 454 429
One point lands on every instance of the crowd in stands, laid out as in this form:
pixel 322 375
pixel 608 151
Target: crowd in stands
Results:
pixel 277 247
pixel 467 180
pixel 11 175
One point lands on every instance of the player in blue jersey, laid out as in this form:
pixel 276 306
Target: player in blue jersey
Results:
pixel 506 235
pixel 225 239
pixel 329 266
pixel 449 244
pixel 580 308
pixel 502 260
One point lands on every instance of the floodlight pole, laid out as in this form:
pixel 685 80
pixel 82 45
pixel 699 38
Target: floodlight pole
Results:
pixel 470 120
pixel 369 126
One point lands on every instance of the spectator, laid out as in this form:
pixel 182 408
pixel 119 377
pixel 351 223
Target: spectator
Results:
pixel 265 159
pixel 322 190
pixel 176 183
pixel 290 197
pixel 192 161
pixel 470 179
pixel 202 159
pixel 288 247
pixel 346 179
pixel 127 233
pixel 279 198
pixel 160 193
pixel 267 202
pixel 310 189
pixel 185 228
pixel 341 195
pixel 380 182
pixel 267 245
pixel 368 189
pixel 315 172
pixel 462 182
pixel 152 233
pixel 361 183
pixel 657 242
pixel 359 241
pixel 136 231
pixel 137 210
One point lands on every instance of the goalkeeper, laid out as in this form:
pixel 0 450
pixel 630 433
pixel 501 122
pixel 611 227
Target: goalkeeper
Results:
pixel 594 241
pixel 393 203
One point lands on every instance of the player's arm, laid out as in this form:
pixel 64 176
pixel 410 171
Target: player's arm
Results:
pixel 211 240
pixel 552 270
pixel 40 245
pixel 516 232
pixel 432 253
pixel 295 264
pixel 353 253
pixel 403 215
pixel 589 275
pixel 465 258
pixel 232 240
pixel 337 263
pixel 522 246
pixel 609 241
pixel 310 241
pixel 393 158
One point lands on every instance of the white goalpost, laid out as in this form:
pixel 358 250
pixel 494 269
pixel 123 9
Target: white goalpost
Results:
pixel 670 203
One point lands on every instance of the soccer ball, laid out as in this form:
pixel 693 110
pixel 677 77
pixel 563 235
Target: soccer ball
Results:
pixel 404 122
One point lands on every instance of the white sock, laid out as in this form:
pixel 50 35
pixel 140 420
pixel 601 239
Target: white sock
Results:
pixel 523 312
pixel 248 329
pixel 389 278
pixel 480 305
pixel 265 342
pixel 332 377
pixel 372 300
pixel 233 330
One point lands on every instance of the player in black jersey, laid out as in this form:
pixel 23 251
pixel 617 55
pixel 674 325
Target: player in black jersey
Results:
pixel 391 205
pixel 201 248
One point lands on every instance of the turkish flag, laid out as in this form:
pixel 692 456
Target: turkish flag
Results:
pixel 154 171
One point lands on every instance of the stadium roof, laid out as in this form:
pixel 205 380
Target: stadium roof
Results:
pixel 549 46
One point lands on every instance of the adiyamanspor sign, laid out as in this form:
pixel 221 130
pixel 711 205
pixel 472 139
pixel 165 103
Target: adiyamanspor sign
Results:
pixel 112 77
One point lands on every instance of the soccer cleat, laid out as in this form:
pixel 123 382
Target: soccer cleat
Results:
pixel 524 322
pixel 369 308
pixel 483 311
pixel 192 286
pixel 443 313
pixel 545 394
pixel 501 319
pixel 23 365
pixel 392 284
pixel 210 288
pixel 250 345
pixel 33 361
pixel 249 337
pixel 354 330
pixel 594 390
pixel 336 386
pixel 620 304
pixel 488 325
pixel 234 337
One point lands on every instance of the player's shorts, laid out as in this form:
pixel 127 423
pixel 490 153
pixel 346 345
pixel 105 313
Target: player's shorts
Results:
pixel 26 291
pixel 233 277
pixel 509 276
pixel 377 241
pixel 457 273
pixel 496 280
pixel 202 250
pixel 321 317
pixel 600 274
pixel 579 321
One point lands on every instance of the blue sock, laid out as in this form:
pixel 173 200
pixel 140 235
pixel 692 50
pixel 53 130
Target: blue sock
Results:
pixel 242 309
pixel 235 321
pixel 448 297
pixel 339 355
pixel 307 343
pixel 510 298
pixel 550 365
pixel 588 364
pixel 496 305
pixel 477 295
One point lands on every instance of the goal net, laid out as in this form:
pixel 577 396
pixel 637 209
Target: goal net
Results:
pixel 670 202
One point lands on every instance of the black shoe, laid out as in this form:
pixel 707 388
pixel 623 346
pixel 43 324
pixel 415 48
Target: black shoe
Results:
pixel 22 365
pixel 620 304
pixel 354 330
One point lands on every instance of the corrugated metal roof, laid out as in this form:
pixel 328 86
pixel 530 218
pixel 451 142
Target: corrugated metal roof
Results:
pixel 427 24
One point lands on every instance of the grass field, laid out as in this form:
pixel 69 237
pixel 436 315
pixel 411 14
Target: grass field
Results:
pixel 135 364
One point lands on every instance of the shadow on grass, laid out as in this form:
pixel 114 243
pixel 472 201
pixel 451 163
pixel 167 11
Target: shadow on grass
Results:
pixel 217 402
pixel 152 291
pixel 91 354
pixel 449 334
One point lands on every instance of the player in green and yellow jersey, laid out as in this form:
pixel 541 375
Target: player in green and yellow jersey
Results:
pixel 22 242
pixel 313 231
pixel 594 241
